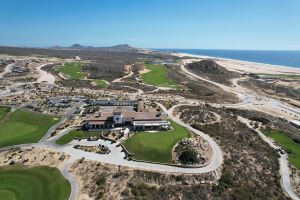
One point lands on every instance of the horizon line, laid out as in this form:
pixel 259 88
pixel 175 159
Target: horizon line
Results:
pixel 150 48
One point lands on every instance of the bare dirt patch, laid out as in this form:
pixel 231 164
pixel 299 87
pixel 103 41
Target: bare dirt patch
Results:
pixel 32 156
pixel 103 181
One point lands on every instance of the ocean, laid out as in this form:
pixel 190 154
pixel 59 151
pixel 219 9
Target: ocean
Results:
pixel 282 58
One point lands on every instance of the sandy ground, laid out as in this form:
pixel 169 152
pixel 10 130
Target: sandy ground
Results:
pixel 32 156
pixel 245 66
pixel 144 71
pixel 293 84
pixel 45 76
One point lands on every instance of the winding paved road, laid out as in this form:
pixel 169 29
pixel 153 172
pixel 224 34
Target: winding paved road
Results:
pixel 116 156
pixel 283 161
pixel 249 100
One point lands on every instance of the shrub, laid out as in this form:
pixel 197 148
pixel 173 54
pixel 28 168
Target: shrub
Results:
pixel 101 181
pixel 188 155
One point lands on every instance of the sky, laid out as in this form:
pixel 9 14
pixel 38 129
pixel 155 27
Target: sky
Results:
pixel 189 24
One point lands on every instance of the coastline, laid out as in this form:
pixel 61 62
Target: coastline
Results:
pixel 242 66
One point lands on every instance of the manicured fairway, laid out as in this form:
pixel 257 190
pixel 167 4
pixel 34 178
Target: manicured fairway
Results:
pixel 3 112
pixel 22 127
pixel 22 183
pixel 155 147
pixel 100 83
pixel 288 144
pixel 75 133
pixel 158 76
pixel 72 70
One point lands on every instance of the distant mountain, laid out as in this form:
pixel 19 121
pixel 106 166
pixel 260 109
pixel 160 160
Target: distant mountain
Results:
pixel 77 46
pixel 116 48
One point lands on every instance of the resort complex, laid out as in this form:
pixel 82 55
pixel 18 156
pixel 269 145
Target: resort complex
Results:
pixel 141 119
pixel 88 123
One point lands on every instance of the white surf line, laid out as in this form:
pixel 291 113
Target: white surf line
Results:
pixel 291 70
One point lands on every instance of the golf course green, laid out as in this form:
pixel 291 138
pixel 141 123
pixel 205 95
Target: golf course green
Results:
pixel 72 70
pixel 158 76
pixel 3 111
pixel 23 183
pixel 155 147
pixel 100 83
pixel 20 127
pixel 75 133
pixel 292 148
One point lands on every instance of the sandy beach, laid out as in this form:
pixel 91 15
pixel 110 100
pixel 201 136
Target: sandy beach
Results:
pixel 244 66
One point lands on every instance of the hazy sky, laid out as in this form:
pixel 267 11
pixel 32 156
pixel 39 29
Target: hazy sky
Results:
pixel 211 24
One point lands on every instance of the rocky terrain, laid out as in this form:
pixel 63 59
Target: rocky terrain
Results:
pixel 250 168
pixel 95 149
pixel 272 88
pixel 32 156
pixel 198 89
pixel 103 181
pixel 192 151
pixel 212 70
pixel 198 115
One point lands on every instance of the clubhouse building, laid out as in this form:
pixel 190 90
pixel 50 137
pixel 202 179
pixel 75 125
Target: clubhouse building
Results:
pixel 142 119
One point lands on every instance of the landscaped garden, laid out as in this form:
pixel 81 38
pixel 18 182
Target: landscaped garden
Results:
pixel 23 183
pixel 156 147
pixel 76 134
pixel 72 71
pixel 20 127
pixel 292 148
pixel 158 76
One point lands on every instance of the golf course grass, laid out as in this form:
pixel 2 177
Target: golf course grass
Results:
pixel 22 127
pixel 100 83
pixel 289 145
pixel 72 70
pixel 3 111
pixel 158 76
pixel 23 183
pixel 75 133
pixel 156 147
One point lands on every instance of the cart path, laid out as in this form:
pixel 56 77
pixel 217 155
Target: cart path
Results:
pixel 283 161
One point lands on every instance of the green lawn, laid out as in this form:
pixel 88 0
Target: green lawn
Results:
pixel 3 111
pixel 284 141
pixel 155 147
pixel 100 83
pixel 22 183
pixel 72 70
pixel 75 133
pixel 24 127
pixel 158 76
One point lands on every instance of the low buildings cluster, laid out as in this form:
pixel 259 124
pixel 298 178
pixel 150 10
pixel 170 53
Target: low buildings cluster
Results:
pixel 139 119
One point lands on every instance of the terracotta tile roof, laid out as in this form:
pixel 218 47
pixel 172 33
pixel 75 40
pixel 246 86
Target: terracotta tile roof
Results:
pixel 100 122
pixel 142 115
pixel 130 115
